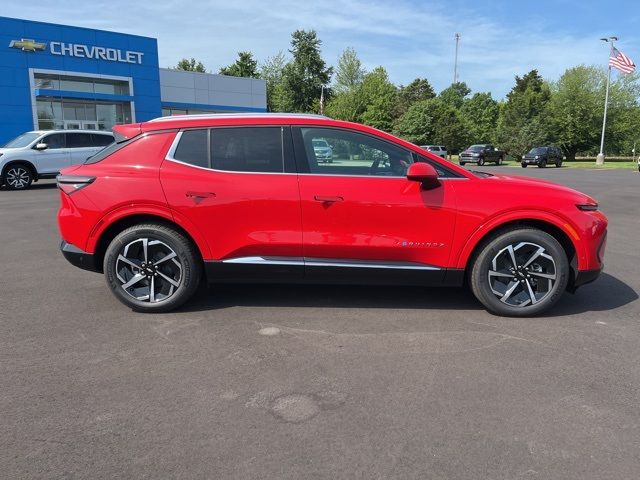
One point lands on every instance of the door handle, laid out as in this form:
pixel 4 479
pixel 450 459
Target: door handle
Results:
pixel 326 199
pixel 200 194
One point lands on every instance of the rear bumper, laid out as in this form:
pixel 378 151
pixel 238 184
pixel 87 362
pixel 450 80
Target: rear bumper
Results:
pixel 77 257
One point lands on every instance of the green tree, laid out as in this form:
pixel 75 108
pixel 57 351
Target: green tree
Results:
pixel 304 76
pixel 480 114
pixel 349 72
pixel 190 65
pixel 244 66
pixel 623 123
pixel 417 124
pixel 372 102
pixel 455 94
pixel 522 123
pixel 575 109
pixel 418 90
pixel 378 95
pixel 433 121
pixel 271 72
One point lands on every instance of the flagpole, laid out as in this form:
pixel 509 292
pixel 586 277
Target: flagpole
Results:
pixel 600 157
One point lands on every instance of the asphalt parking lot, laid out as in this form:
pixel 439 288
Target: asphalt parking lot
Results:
pixel 293 382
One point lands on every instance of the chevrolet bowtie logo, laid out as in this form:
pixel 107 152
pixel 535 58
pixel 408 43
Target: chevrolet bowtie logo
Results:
pixel 27 45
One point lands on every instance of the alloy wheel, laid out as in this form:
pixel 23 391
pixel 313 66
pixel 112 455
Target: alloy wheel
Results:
pixel 148 270
pixel 17 177
pixel 522 274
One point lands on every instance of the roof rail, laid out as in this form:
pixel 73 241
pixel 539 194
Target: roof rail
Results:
pixel 237 115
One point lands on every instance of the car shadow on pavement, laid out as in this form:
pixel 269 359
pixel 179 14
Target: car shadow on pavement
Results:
pixel 607 293
pixel 332 296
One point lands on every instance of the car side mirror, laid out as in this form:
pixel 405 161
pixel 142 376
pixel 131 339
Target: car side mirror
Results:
pixel 41 146
pixel 424 173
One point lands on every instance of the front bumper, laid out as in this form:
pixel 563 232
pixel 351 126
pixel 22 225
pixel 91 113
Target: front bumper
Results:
pixel 77 257
pixel 530 161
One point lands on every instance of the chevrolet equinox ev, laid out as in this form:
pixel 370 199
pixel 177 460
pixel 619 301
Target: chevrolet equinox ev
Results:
pixel 245 198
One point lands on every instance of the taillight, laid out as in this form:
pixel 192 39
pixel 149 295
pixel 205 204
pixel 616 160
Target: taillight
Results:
pixel 72 183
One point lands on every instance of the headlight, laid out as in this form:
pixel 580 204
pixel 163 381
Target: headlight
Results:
pixel 537 157
pixel 476 154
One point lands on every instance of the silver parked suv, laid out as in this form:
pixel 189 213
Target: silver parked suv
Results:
pixel 42 154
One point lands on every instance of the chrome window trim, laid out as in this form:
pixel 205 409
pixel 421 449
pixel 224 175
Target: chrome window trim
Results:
pixel 176 141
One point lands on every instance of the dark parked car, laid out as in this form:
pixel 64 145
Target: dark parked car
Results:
pixel 541 156
pixel 480 154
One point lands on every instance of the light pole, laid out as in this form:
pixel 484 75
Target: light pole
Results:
pixel 600 157
pixel 455 63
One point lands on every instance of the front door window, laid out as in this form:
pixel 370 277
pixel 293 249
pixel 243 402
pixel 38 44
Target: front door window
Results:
pixel 346 152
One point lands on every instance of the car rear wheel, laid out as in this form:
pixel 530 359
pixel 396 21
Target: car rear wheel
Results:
pixel 480 162
pixel 520 273
pixel 542 163
pixel 152 268
pixel 18 177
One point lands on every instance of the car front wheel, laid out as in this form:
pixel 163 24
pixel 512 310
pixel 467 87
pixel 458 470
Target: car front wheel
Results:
pixel 524 165
pixel 520 273
pixel 18 177
pixel 152 268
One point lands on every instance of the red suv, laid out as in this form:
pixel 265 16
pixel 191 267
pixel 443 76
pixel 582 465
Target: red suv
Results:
pixel 245 198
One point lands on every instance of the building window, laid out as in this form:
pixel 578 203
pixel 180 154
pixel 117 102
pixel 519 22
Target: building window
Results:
pixel 73 83
pixel 61 113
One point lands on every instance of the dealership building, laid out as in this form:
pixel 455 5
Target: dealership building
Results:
pixel 58 76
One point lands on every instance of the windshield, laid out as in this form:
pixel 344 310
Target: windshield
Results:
pixel 23 140
pixel 476 148
pixel 537 151
pixel 320 143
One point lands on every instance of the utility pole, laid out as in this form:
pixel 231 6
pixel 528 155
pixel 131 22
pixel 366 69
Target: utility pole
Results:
pixel 455 64
pixel 600 157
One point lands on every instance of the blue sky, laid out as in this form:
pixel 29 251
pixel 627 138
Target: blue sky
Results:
pixel 500 38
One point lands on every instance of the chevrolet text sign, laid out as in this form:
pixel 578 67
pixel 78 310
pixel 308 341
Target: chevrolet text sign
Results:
pixel 98 53
pixel 79 50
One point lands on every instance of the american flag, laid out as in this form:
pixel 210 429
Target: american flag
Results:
pixel 619 60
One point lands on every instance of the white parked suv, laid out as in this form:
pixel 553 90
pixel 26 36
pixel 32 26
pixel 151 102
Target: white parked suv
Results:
pixel 439 150
pixel 42 154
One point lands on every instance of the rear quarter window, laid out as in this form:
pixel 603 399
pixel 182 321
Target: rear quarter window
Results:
pixel 192 148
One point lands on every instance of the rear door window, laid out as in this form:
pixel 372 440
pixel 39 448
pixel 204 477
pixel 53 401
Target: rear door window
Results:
pixel 247 149
pixel 79 140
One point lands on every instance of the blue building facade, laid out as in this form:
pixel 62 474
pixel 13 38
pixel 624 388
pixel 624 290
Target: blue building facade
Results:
pixel 57 76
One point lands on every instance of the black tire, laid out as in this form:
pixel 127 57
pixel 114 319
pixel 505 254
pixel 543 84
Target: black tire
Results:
pixel 17 176
pixel 480 161
pixel 499 161
pixel 524 165
pixel 542 164
pixel 464 163
pixel 178 277
pixel 558 163
pixel 518 303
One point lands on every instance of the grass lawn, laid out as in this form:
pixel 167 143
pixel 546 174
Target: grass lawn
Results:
pixel 617 164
